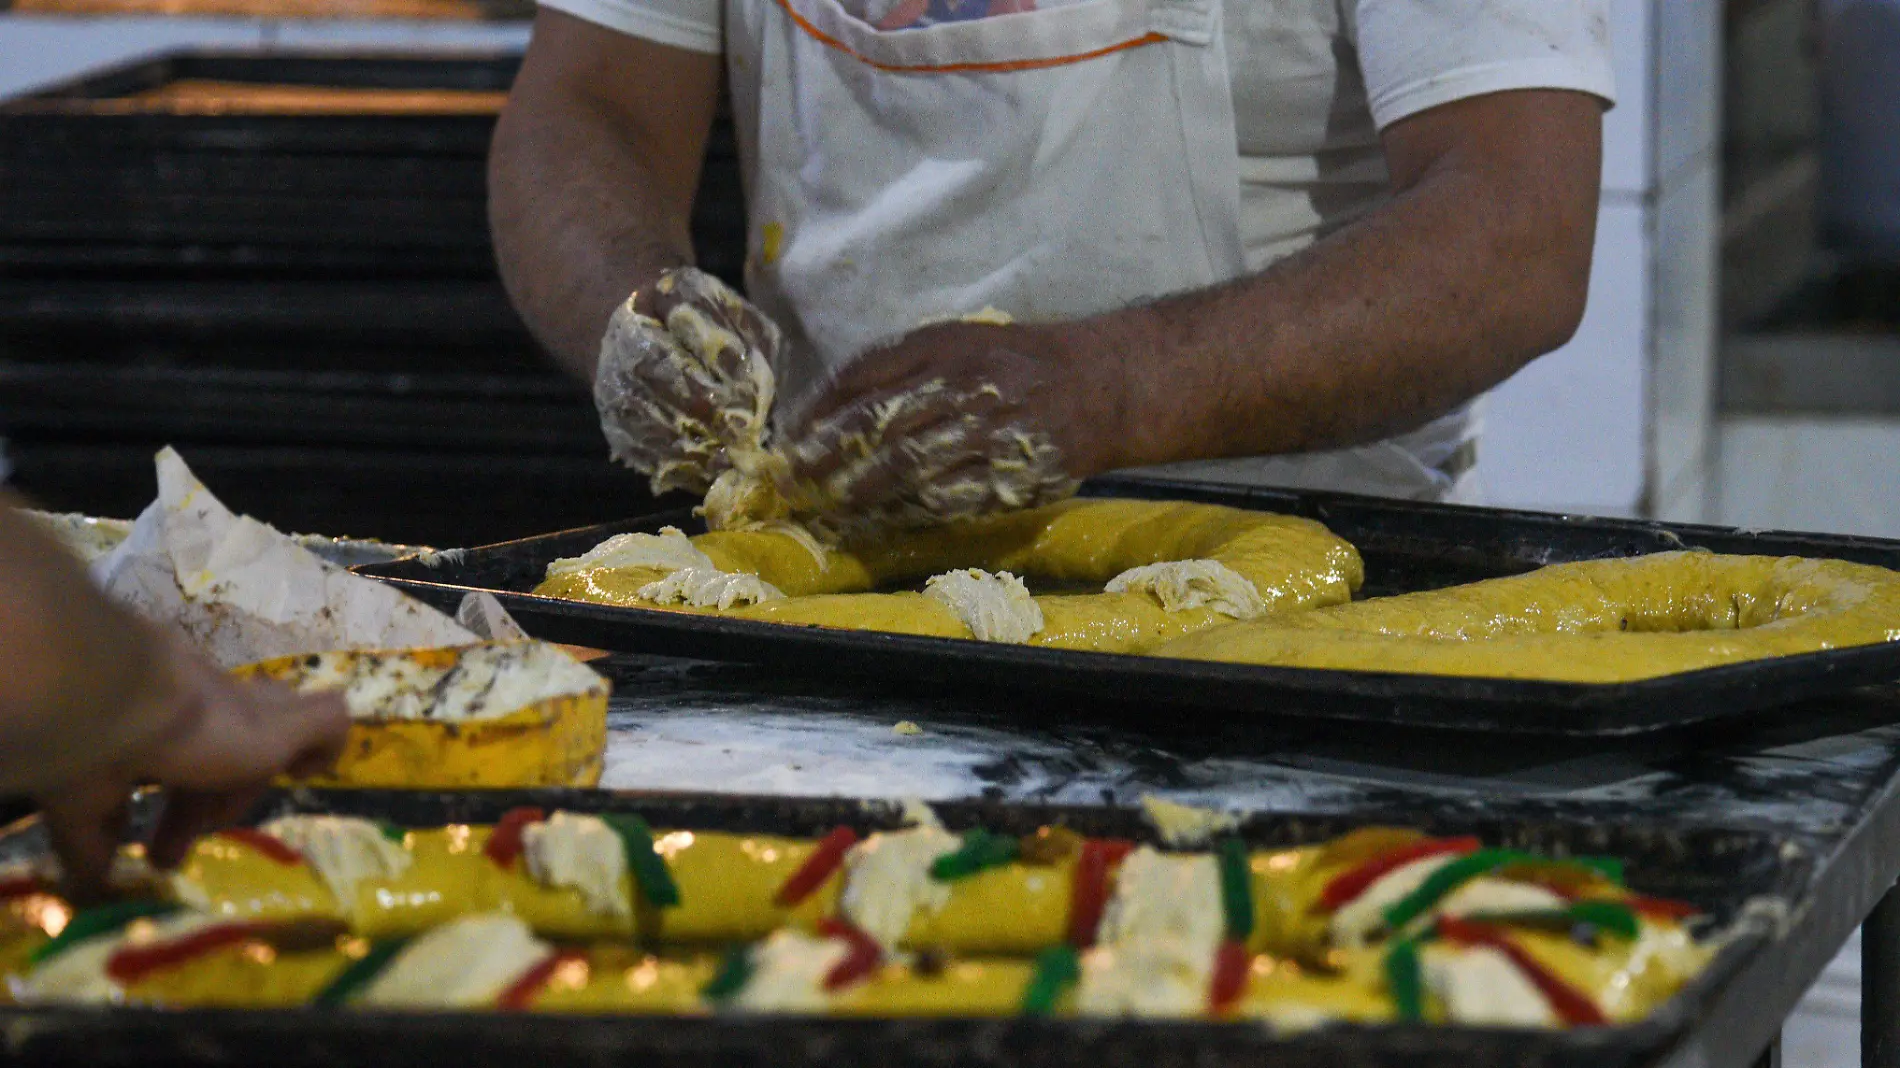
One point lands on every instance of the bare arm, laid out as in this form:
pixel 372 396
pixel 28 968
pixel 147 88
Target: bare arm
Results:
pixel 1479 264
pixel 591 176
pixel 70 663
pixel 94 702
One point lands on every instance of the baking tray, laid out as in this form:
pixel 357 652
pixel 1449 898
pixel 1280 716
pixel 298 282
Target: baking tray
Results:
pixel 1725 872
pixel 1407 546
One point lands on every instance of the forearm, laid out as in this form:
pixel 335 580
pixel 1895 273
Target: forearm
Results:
pixel 577 228
pixel 75 671
pixel 1442 293
pixel 591 177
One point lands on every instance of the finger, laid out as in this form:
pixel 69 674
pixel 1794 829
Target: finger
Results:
pixel 247 733
pixel 871 425
pixel 86 822
pixel 325 738
pixel 191 814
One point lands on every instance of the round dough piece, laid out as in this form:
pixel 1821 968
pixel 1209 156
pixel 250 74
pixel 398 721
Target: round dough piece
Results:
pixel 1597 621
pixel 1078 544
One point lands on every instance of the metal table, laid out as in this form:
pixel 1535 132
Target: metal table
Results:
pixel 1826 775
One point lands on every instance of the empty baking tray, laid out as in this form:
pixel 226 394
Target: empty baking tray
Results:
pixel 1406 545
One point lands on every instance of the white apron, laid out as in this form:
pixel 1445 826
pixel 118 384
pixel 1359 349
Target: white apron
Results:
pixel 1051 164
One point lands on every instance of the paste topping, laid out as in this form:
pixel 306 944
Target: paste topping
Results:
pixel 889 880
pixel 485 681
pixel 670 550
pixel 582 852
pixel 788 973
pixel 1187 584
pixel 343 851
pixel 1183 826
pixel 702 587
pixel 1358 919
pixel 1158 938
pixel 465 963
pixel 1479 985
pixel 996 607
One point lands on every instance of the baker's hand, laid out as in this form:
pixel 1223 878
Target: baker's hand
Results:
pixel 955 420
pixel 685 373
pixel 216 745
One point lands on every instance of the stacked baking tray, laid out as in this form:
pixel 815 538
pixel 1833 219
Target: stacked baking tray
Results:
pixel 1728 873
pixel 281 265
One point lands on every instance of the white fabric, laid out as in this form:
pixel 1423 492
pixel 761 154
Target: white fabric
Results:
pixel 895 198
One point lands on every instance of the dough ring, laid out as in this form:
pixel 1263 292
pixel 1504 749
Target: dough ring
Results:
pixel 1269 563
pixel 1596 621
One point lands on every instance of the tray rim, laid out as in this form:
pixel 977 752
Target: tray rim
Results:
pixel 1663 1032
pixel 786 644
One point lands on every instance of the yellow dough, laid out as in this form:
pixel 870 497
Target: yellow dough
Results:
pixel 1595 621
pixel 253 975
pixel 1290 562
pixel 623 979
pixel 489 714
pixel 966 988
pixel 727 885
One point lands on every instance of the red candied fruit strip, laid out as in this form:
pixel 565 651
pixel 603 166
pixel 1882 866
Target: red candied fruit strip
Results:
pixel 1088 897
pixel 129 965
pixel 21 886
pixel 266 845
pixel 811 875
pixel 863 959
pixel 1570 1004
pixel 520 993
pixel 1231 964
pixel 504 843
pixel 1348 885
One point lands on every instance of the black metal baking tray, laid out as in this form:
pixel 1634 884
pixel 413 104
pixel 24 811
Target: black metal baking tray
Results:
pixel 1725 872
pixel 1406 545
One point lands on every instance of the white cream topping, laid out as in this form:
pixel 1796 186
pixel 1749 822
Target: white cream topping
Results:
pixel 1164 897
pixel 569 849
pixel 1141 979
pixel 1364 915
pixel 1479 985
pixel 1488 895
pixel 464 964
pixel 670 549
pixel 788 973
pixel 996 608
pixel 888 879
pixel 1158 938
pixel 1181 585
pixel 78 975
pixel 486 681
pixel 1184 826
pixel 342 850
pixel 710 588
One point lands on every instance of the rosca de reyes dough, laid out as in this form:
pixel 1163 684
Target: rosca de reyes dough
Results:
pixel 519 713
pixel 1125 575
pixel 573 912
pixel 1592 621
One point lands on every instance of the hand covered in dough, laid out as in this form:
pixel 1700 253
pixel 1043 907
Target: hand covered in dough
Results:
pixel 955 420
pixel 685 379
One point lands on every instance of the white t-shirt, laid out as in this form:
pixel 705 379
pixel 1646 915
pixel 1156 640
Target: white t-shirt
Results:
pixel 1314 82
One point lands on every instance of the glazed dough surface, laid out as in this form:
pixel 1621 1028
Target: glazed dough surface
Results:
pixel 1594 621
pixel 1210 564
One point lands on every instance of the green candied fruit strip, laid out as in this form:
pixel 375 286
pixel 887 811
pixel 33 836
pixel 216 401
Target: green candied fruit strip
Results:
pixel 979 852
pixel 735 971
pixel 1442 882
pixel 1236 889
pixel 94 922
pixel 360 973
pixel 1405 979
pixel 648 867
pixel 1057 969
